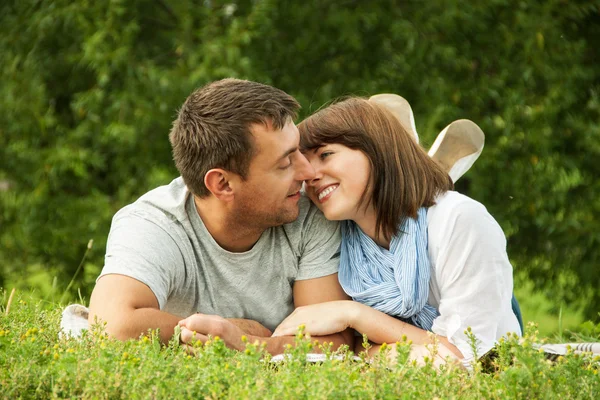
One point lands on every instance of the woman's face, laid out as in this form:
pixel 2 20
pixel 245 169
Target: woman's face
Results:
pixel 341 176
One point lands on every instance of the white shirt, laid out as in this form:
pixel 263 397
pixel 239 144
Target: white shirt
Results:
pixel 471 280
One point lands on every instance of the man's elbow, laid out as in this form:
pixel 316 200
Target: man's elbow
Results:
pixel 121 332
pixel 348 337
pixel 114 327
pixel 345 338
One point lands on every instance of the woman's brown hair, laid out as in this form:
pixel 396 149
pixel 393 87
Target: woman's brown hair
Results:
pixel 403 177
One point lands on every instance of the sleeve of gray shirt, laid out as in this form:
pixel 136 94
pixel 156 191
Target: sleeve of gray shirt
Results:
pixel 137 247
pixel 320 248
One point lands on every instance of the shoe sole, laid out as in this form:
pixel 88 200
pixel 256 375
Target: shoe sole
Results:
pixel 401 110
pixel 462 141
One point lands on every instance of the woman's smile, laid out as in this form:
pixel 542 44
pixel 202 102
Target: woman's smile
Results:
pixel 341 176
pixel 325 193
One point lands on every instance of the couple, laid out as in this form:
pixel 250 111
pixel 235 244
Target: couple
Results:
pixel 234 248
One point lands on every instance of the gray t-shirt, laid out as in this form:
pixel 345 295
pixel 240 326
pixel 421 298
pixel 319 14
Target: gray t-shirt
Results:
pixel 161 241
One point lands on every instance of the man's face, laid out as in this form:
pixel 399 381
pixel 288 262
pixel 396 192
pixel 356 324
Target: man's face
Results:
pixel 269 196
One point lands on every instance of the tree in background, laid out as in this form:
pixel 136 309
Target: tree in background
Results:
pixel 89 90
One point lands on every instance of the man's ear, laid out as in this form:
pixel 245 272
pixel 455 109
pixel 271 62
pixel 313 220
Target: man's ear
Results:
pixel 217 182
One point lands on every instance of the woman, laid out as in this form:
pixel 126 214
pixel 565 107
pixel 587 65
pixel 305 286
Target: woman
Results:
pixel 416 256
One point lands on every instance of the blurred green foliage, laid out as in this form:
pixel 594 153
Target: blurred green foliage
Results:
pixel 89 89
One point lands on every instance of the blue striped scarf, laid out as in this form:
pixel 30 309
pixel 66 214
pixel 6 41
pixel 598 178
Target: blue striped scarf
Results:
pixel 394 281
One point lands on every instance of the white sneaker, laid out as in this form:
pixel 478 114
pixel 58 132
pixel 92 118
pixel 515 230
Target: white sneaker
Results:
pixel 457 147
pixel 74 320
pixel 401 110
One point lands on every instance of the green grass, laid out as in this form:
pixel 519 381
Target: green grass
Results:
pixel 537 307
pixel 35 363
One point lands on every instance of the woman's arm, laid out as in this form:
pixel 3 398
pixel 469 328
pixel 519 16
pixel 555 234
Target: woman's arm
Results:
pixel 473 275
pixel 336 316
pixel 382 328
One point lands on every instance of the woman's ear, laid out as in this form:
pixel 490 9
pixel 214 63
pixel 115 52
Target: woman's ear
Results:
pixel 217 182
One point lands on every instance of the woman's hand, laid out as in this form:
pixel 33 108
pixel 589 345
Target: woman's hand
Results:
pixel 319 319
pixel 439 355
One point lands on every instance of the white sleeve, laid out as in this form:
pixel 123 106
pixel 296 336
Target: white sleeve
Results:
pixel 474 276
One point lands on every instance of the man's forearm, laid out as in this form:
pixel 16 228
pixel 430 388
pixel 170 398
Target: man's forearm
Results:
pixel 131 324
pixel 251 327
pixel 137 322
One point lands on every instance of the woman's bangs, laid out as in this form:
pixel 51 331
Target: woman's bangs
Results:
pixel 310 137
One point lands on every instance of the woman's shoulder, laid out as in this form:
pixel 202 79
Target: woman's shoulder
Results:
pixel 457 214
pixel 453 204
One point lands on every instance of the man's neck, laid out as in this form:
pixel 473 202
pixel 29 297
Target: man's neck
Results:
pixel 230 234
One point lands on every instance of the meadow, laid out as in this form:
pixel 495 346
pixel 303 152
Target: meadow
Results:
pixel 89 91
pixel 36 363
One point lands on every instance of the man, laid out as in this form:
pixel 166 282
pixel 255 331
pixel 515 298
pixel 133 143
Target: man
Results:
pixel 232 238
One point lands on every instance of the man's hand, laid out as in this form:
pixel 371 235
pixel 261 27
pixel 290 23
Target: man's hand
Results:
pixel 198 327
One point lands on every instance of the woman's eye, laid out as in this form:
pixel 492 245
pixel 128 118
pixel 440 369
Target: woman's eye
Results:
pixel 325 154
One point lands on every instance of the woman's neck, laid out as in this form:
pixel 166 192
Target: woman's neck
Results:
pixel 367 221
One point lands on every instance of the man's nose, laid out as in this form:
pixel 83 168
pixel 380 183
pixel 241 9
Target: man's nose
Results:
pixel 317 174
pixel 305 170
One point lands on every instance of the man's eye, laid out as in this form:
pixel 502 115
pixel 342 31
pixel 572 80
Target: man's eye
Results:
pixel 286 166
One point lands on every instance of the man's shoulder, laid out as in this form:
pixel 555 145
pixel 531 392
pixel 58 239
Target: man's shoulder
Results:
pixel 309 217
pixel 163 204
pixel 310 226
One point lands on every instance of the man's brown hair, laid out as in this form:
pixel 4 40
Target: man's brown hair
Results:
pixel 403 177
pixel 212 129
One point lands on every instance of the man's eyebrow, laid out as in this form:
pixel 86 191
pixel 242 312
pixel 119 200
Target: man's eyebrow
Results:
pixel 287 153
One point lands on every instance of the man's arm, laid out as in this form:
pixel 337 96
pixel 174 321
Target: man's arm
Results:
pixel 130 308
pixel 306 292
pixel 250 327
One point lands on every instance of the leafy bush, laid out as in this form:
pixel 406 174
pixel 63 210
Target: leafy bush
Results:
pixel 36 363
